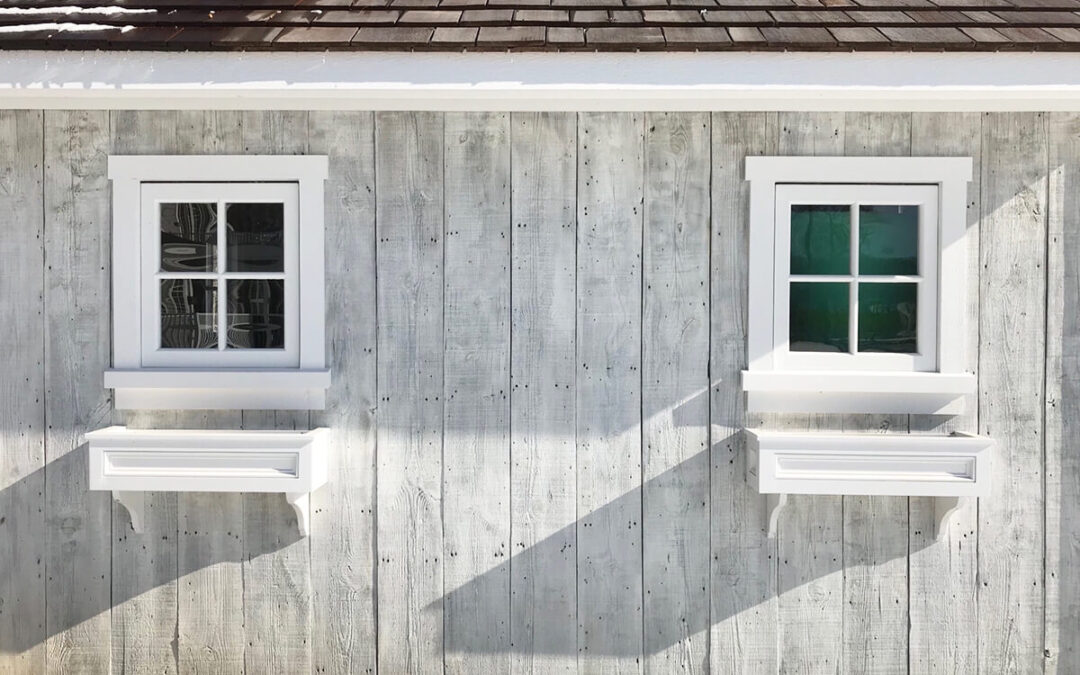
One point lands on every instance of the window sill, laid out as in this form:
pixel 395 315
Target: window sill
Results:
pixel 130 462
pixel 189 389
pixel 857 392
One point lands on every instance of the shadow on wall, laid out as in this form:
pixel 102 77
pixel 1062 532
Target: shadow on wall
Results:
pixel 81 545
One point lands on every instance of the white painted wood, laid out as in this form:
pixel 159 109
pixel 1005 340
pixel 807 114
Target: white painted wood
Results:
pixel 743 602
pixel 152 195
pixel 147 178
pixel 409 229
pixel 675 384
pixel 1011 390
pixel 674 81
pixel 945 510
pixel 858 169
pixel 77 535
pixel 610 175
pixel 872 464
pixel 134 502
pixel 242 168
pixel 476 386
pixel 227 389
pixel 774 504
pixel 22 389
pixel 543 477
pixel 926 199
pixel 343 511
pixel 880 382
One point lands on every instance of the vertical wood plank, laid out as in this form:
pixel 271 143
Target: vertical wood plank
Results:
pixel 22 390
pixel 210 619
pixel 543 582
pixel 1011 392
pixel 1062 565
pixel 941 575
pixel 409 228
pixel 675 393
pixel 609 391
pixel 876 528
pixel 78 522
pixel 145 572
pixel 343 511
pixel 810 532
pixel 744 611
pixel 276 559
pixel 476 386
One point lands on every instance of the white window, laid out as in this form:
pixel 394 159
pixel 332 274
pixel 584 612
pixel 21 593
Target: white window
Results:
pixel 857 284
pixel 218 282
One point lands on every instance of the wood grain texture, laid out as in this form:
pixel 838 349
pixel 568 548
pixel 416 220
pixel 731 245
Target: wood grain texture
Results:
pixel 22 389
pixel 941 576
pixel 675 385
pixel 276 559
pixel 543 480
pixel 476 385
pixel 610 167
pixel 145 573
pixel 810 545
pixel 744 606
pixel 1062 500
pixel 1011 391
pixel 343 511
pixel 210 616
pixel 77 522
pixel 409 201
pixel 876 528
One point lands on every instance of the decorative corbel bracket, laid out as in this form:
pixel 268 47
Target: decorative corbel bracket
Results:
pixel 774 504
pixel 135 503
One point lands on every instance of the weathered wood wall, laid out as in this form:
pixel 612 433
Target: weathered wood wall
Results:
pixel 536 323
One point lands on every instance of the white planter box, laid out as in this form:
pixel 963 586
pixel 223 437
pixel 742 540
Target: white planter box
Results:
pixel 950 467
pixel 130 462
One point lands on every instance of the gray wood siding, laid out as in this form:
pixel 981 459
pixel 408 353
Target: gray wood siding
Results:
pixel 536 323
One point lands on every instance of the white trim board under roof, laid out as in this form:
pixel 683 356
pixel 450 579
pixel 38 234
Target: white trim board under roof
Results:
pixel 1001 81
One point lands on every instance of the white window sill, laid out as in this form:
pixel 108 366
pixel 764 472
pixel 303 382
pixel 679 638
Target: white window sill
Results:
pixel 946 467
pixel 130 462
pixel 189 389
pixel 857 392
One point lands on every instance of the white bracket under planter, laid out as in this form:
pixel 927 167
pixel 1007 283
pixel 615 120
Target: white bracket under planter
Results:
pixel 952 468
pixel 131 462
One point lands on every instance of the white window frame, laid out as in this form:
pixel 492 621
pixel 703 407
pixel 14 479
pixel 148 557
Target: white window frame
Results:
pixel 923 196
pixel 143 376
pixel 934 383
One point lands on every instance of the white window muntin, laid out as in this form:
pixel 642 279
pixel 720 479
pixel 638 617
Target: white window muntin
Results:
pixel 155 194
pixel 925 197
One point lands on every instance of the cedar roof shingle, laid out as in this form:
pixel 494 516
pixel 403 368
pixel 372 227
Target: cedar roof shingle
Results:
pixel 556 25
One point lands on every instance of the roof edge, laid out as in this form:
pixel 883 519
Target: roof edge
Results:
pixel 1004 81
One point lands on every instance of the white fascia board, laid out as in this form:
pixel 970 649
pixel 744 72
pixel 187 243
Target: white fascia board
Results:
pixel 541 81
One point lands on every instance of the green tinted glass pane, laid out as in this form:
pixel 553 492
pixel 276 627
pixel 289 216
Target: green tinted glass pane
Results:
pixel 888 318
pixel 818 317
pixel 888 239
pixel 820 239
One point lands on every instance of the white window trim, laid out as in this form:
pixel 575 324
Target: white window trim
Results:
pixel 139 386
pixel 858 390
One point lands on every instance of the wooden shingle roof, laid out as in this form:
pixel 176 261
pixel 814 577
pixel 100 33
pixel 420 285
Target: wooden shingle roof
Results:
pixel 553 25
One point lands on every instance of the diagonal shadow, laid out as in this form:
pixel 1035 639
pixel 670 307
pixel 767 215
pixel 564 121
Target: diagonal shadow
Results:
pixel 20 504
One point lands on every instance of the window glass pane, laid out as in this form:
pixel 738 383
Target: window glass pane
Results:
pixel 188 237
pixel 819 317
pixel 888 318
pixel 820 239
pixel 888 239
pixel 255 238
pixel 256 314
pixel 188 314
